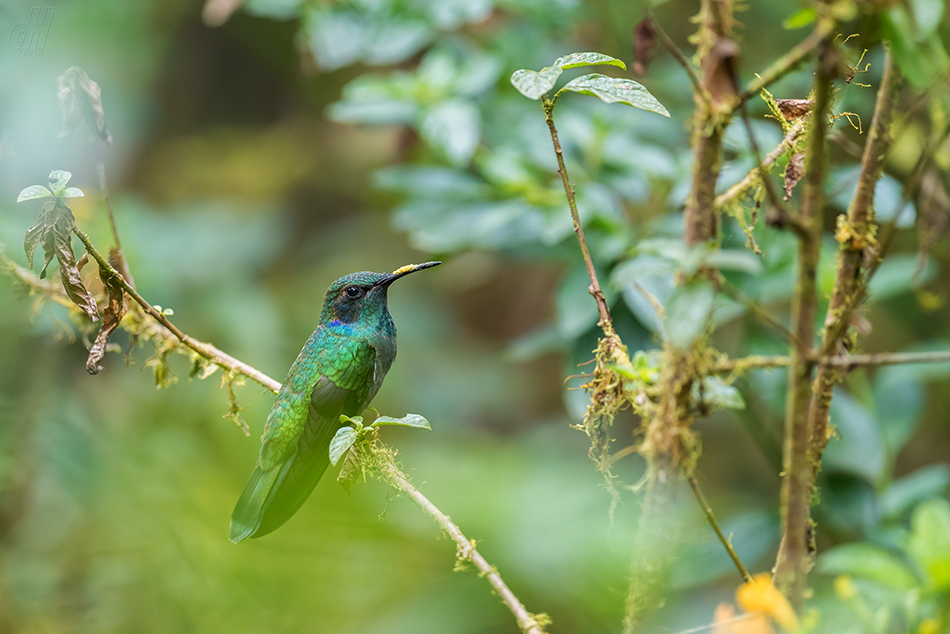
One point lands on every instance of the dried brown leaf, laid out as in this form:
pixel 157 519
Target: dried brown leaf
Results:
pixel 351 470
pixel 644 39
pixel 33 237
pixel 793 108
pixel 794 173
pixel 63 248
pixel 719 70
pixel 111 316
pixel 80 99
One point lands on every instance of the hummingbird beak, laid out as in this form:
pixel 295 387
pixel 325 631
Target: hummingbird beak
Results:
pixel 403 271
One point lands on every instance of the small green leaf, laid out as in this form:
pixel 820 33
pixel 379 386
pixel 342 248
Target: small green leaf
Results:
pixel 533 84
pixel 356 420
pixel 575 60
pixel 930 541
pixel 341 443
pixel 409 420
pixel 70 192
pixel 32 192
pixel 615 90
pixel 865 561
pixel 58 180
pixel 799 19
pixel 719 394
pixel 687 314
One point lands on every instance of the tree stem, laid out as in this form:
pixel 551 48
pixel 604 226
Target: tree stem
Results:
pixel 595 290
pixel 711 518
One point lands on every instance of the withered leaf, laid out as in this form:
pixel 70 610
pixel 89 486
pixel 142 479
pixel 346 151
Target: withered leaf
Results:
pixel 111 316
pixel 351 470
pixel 644 38
pixel 33 237
pixel 81 98
pixel 793 108
pixel 719 70
pixel 794 173
pixel 63 248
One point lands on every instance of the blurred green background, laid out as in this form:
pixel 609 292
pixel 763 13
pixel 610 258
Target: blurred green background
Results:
pixel 256 161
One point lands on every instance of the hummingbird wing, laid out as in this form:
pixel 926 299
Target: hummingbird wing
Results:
pixel 295 449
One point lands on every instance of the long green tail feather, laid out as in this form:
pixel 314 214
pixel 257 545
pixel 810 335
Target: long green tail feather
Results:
pixel 249 510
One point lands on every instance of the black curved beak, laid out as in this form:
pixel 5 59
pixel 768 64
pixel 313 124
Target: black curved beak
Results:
pixel 403 271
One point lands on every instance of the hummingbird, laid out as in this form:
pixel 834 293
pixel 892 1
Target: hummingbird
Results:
pixel 339 371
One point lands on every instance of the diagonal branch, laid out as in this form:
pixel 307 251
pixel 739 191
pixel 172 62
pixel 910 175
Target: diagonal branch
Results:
pixel 856 237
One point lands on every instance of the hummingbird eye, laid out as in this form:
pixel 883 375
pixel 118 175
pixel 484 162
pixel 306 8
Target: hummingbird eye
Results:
pixel 353 292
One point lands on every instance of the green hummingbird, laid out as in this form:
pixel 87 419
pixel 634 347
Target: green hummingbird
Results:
pixel 339 371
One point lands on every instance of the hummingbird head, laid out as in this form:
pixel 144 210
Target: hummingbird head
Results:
pixel 362 296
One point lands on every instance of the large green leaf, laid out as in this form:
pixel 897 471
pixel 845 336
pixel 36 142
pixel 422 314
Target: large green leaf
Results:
pixel 575 60
pixel 865 561
pixel 616 90
pixel 930 541
pixel 688 313
pixel 409 420
pixel 921 485
pixel 918 50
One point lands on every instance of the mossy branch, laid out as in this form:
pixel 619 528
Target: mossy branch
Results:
pixel 856 236
pixel 791 564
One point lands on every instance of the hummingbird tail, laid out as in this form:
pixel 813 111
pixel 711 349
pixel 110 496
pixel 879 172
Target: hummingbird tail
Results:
pixel 249 510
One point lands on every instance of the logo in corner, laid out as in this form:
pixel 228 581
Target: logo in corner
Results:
pixel 29 38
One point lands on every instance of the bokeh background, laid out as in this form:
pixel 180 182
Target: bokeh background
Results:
pixel 258 156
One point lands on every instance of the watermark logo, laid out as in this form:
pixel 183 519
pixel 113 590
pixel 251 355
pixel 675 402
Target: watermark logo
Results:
pixel 29 38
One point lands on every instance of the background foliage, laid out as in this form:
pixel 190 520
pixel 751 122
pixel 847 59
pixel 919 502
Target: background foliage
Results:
pixel 255 162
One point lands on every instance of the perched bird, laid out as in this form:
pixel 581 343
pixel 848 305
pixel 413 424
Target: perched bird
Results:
pixel 339 371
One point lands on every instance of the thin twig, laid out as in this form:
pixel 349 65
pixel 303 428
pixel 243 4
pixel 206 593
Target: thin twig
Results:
pixel 783 65
pixel 760 171
pixel 757 362
pixel 466 547
pixel 711 518
pixel 678 55
pixel 206 350
pixel 733 293
pixel 602 308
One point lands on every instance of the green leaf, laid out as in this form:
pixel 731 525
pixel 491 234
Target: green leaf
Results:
pixel 799 19
pixel 716 392
pixel 532 84
pixel 615 90
pixel 928 14
pixel 58 180
pixel 733 260
pixel 409 420
pixel 341 443
pixel 70 192
pixel 930 541
pixel 920 55
pixel 356 420
pixel 923 484
pixel 574 60
pixel 32 192
pixel 688 313
pixel 454 127
pixel 858 447
pixel 865 561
